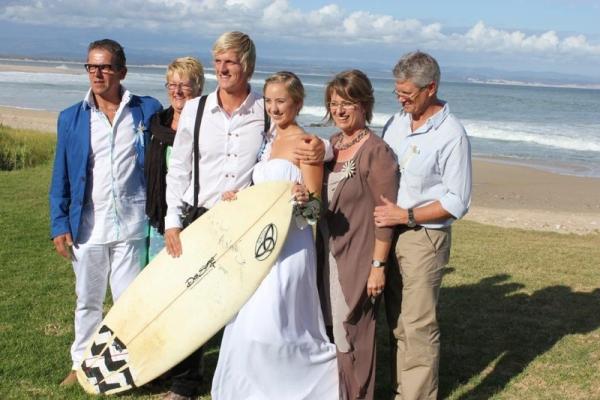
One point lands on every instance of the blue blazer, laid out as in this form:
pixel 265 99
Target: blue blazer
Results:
pixel 69 175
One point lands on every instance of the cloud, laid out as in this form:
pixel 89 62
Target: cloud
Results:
pixel 363 26
pixel 280 16
pixel 482 38
pixel 279 19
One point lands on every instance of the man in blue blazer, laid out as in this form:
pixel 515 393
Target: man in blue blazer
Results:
pixel 97 194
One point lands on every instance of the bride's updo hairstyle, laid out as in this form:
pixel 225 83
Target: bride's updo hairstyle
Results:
pixel 292 84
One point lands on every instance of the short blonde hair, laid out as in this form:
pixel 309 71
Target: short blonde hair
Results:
pixel 188 67
pixel 292 83
pixel 243 47
pixel 354 86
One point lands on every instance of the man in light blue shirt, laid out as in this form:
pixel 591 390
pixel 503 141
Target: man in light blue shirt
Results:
pixel 434 156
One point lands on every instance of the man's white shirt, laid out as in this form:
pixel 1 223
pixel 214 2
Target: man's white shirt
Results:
pixel 229 147
pixel 115 197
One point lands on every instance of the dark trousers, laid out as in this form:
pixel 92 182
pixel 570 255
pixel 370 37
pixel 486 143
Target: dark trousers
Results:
pixel 187 375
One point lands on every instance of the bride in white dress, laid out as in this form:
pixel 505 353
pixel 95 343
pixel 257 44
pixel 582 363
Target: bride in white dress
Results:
pixel 276 347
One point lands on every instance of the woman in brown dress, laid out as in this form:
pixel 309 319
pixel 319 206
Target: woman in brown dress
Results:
pixel 354 251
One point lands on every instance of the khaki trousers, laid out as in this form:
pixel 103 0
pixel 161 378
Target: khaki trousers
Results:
pixel 411 295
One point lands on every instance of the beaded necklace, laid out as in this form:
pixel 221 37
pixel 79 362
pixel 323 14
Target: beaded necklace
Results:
pixel 339 146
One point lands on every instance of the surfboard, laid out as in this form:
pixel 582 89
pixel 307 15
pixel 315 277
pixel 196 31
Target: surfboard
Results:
pixel 176 305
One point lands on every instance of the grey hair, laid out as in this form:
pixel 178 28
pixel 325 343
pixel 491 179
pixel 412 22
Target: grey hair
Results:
pixel 419 68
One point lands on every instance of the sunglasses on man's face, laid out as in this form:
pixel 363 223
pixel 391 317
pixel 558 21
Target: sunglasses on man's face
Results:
pixel 104 68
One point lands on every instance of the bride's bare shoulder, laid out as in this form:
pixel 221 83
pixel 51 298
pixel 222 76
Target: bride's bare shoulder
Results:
pixel 297 130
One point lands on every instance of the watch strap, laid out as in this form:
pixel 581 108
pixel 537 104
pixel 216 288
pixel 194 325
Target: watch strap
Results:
pixel 411 223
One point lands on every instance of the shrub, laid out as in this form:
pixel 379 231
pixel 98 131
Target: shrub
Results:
pixel 21 148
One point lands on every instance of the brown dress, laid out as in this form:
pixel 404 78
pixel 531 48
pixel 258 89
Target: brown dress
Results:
pixel 348 233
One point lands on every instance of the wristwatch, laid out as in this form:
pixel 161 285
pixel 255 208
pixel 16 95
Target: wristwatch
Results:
pixel 411 223
pixel 378 264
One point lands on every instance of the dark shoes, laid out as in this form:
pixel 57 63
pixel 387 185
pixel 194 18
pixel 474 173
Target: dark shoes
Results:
pixel 70 379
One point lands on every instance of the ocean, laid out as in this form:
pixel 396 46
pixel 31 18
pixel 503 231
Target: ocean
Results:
pixel 552 128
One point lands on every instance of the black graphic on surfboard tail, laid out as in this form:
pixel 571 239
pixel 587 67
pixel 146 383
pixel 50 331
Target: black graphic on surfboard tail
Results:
pixel 265 244
pixel 106 368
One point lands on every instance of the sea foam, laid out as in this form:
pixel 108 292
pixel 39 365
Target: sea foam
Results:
pixel 535 134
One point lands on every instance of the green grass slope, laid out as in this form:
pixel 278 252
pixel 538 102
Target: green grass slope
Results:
pixel 519 310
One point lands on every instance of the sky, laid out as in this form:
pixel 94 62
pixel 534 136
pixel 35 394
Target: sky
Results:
pixel 537 36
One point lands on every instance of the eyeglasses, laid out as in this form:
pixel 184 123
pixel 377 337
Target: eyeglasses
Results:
pixel 105 68
pixel 405 96
pixel 184 87
pixel 344 105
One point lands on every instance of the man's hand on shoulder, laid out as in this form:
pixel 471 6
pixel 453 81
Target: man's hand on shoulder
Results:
pixel 310 149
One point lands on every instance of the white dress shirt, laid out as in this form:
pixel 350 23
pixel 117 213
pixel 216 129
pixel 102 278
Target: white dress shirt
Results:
pixel 229 147
pixel 435 163
pixel 115 197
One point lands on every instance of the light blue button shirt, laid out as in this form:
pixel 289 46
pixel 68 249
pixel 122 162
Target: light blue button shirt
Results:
pixel 435 163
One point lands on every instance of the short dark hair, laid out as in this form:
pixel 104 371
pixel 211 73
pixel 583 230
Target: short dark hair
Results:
pixel 354 86
pixel 113 47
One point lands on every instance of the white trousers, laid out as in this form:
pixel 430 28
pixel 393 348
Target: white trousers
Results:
pixel 96 265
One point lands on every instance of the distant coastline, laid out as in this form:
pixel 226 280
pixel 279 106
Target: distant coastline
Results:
pixel 38 65
pixel 591 86
pixel 507 120
pixel 22 62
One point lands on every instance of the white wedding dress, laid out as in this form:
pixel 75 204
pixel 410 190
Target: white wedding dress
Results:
pixel 276 347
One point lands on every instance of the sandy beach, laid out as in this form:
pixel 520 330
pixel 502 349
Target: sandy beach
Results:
pixel 58 69
pixel 524 197
pixel 22 118
pixel 39 120
pixel 504 194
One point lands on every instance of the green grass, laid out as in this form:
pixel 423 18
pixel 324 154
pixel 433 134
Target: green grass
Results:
pixel 519 310
pixel 24 148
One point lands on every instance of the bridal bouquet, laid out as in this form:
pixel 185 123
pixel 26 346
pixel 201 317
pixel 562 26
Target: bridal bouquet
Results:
pixel 307 213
